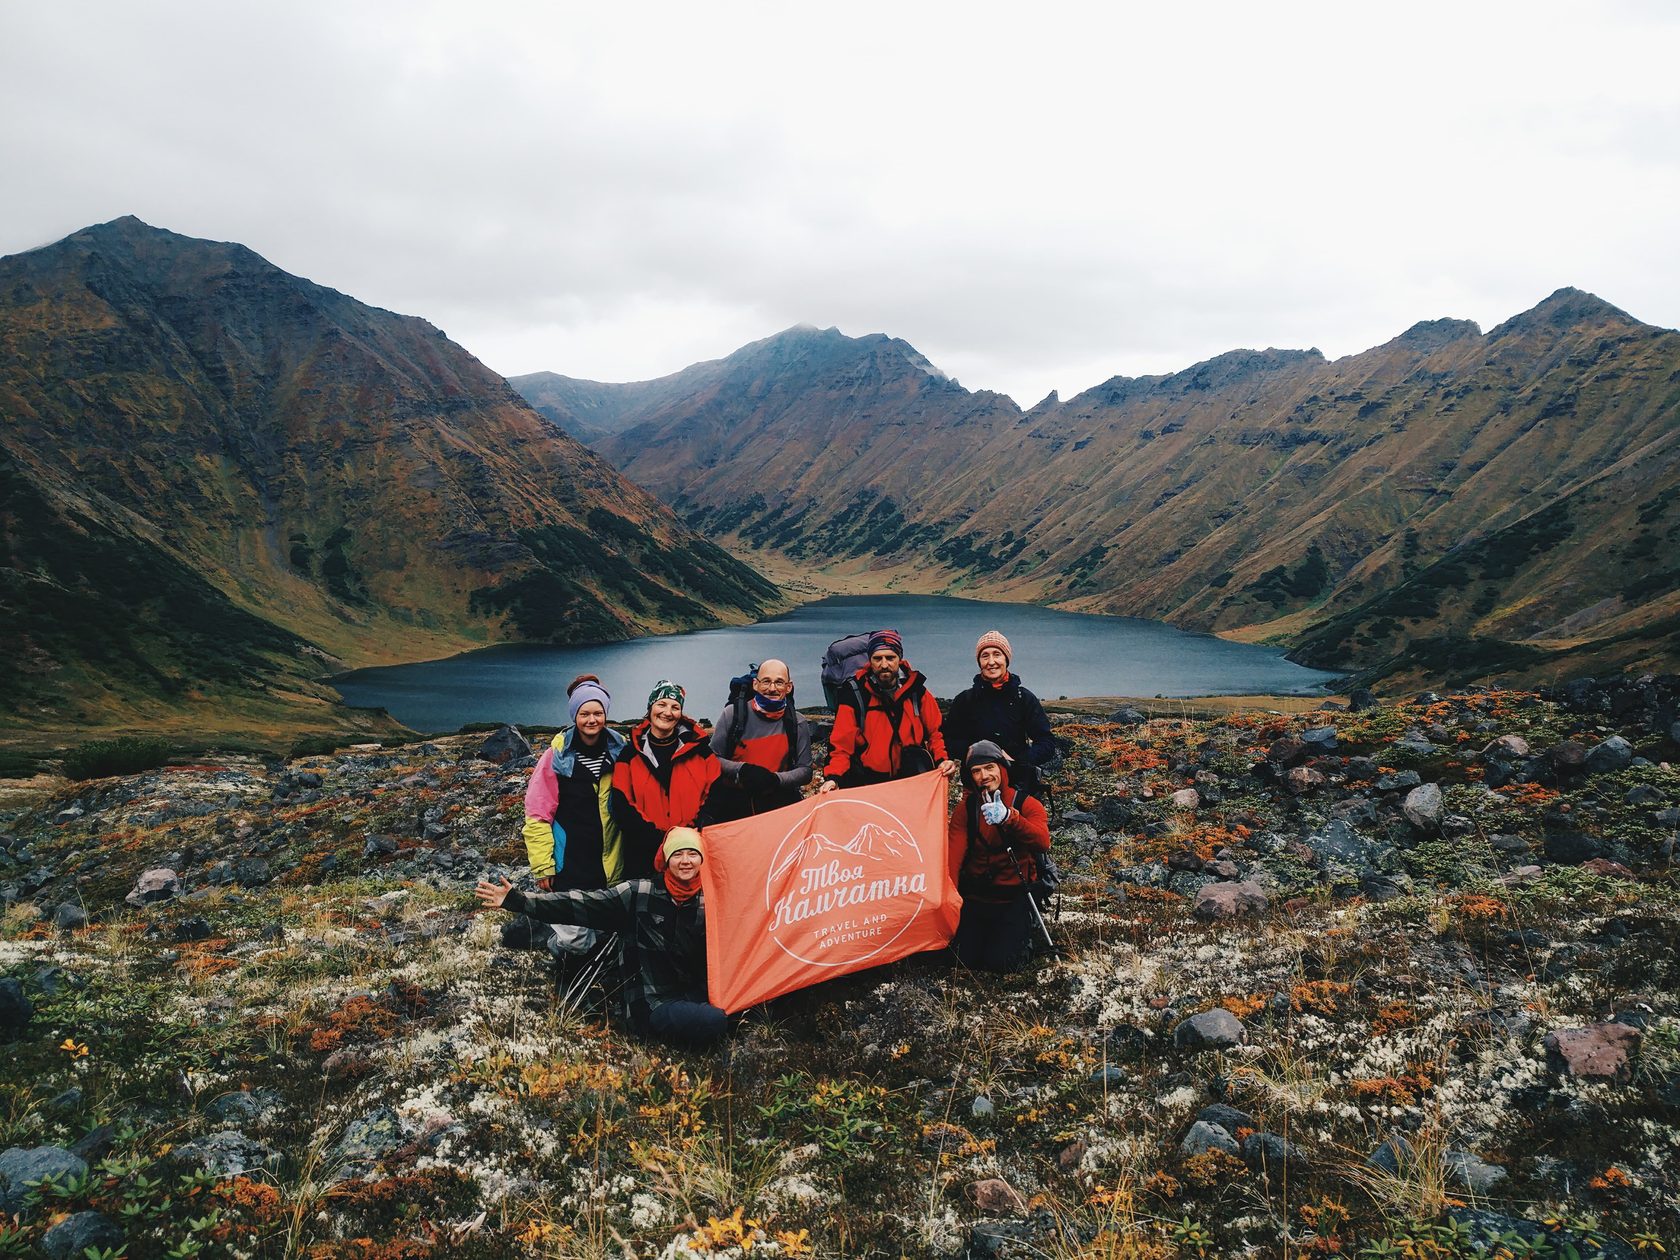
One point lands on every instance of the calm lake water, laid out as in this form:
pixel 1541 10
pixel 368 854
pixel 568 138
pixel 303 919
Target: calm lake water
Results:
pixel 1056 654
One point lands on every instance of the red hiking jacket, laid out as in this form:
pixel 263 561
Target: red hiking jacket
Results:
pixel 647 802
pixel 918 723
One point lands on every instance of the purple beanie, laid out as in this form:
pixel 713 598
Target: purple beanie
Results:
pixel 583 693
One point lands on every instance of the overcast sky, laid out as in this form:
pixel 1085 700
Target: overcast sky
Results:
pixel 1036 197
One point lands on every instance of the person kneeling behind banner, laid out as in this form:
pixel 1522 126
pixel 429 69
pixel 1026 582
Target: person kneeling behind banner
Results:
pixel 661 947
pixel 996 837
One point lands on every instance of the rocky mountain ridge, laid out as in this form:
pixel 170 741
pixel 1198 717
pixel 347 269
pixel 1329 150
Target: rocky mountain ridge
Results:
pixel 220 477
pixel 1443 505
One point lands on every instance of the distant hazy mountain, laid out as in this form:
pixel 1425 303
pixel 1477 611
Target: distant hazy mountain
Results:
pixel 1446 504
pixel 217 475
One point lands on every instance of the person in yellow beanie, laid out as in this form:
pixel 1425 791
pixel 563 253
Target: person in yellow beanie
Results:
pixel 661 926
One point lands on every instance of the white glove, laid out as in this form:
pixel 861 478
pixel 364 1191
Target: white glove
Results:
pixel 994 811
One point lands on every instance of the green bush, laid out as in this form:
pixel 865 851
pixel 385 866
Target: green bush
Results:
pixel 16 765
pixel 127 754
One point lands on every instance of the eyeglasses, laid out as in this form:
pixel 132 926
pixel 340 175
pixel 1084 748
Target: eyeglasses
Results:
pixel 767 684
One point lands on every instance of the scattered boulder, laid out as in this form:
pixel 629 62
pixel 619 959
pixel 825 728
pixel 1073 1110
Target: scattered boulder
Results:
pixel 1230 901
pixel 1128 716
pixel 68 917
pixel 196 928
pixel 228 1153
pixel 1570 848
pixel 79 1234
pixel 16 1010
pixel 1226 1117
pixel 1490 1232
pixel 252 872
pixel 1391 1155
pixel 1507 748
pixel 1475 1175
pixel 20 1166
pixel 998 1197
pixel 1204 1137
pixel 1217 1029
pixel 1362 698
pixel 1319 739
pixel 158 884
pixel 1399 781
pixel 506 745
pixel 1422 807
pixel 1303 779
pixel 1186 798
pixel 1610 755
pixel 1598 1052
pixel 1269 1154
pixel 1287 751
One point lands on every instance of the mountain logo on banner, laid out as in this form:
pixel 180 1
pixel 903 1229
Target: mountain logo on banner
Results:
pixel 839 896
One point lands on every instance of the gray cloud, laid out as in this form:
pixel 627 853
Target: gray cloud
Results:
pixel 1033 203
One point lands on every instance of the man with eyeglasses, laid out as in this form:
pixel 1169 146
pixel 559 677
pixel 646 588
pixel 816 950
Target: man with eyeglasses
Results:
pixel 763 749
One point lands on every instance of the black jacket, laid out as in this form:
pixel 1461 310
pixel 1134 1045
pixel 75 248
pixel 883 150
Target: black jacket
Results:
pixel 1010 716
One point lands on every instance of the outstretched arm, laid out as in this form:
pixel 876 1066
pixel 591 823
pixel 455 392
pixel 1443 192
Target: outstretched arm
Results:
pixel 493 895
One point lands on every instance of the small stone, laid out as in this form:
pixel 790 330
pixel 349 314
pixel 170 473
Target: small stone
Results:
pixel 1422 807
pixel 1388 1157
pixel 16 1010
pixel 1570 848
pixel 346 1064
pixel 1204 1137
pixel 228 1154
pixel 1303 779
pixel 1362 698
pixel 998 1197
pixel 1269 1154
pixel 503 746
pixel 158 884
pixel 1598 1052
pixel 20 1166
pixel 1186 798
pixel 1226 1117
pixel 1507 747
pixel 1399 781
pixel 1128 716
pixel 68 917
pixel 1610 755
pixel 1475 1175
pixel 196 928
pixel 1571 755
pixel 1606 866
pixel 1071 1155
pixel 1229 901
pixel 981 1108
pixel 1217 1029
pixel 1286 751
pixel 80 1233
pixel 252 872
pixel 1320 739
pixel 69 1100
pixel 379 846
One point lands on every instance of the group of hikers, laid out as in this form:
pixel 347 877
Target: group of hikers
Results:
pixel 612 822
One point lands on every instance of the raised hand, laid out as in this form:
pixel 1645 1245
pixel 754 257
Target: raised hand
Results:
pixel 493 895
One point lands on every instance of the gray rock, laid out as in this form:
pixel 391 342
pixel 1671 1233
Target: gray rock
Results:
pixel 79 1233
pixel 252 872
pixel 1475 1175
pixel 196 928
pixel 1226 1117
pixel 158 884
pixel 69 1100
pixel 982 1108
pixel 1128 716
pixel 1204 1137
pixel 1217 1029
pixel 1230 901
pixel 228 1154
pixel 1269 1154
pixel 1507 748
pixel 1399 781
pixel 1571 848
pixel 1422 807
pixel 1610 755
pixel 1320 739
pixel 20 1166
pixel 372 1136
pixel 504 746
pixel 1388 1157
pixel 1486 1229
pixel 68 917
pixel 242 1105
pixel 16 1010
pixel 1362 698
pixel 379 846
pixel 1186 798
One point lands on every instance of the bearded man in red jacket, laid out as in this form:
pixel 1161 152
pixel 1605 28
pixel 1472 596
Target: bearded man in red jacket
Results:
pixel 887 725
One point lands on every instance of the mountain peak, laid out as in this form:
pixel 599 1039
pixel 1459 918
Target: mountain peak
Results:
pixel 1567 308
pixel 1432 334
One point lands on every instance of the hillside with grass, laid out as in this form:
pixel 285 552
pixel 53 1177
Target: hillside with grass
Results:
pixel 223 481
pixel 1402 981
pixel 1445 505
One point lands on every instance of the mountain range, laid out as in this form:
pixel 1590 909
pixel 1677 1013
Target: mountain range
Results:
pixel 1447 505
pixel 220 480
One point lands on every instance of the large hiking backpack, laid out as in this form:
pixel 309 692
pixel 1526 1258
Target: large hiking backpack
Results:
pixel 740 696
pixel 843 659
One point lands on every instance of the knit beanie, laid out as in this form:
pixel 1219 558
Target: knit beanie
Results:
pixel 679 838
pixel 583 693
pixel 665 689
pixel 886 639
pixel 994 638
pixel 984 752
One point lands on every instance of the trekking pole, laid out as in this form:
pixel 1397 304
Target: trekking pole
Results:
pixel 1032 902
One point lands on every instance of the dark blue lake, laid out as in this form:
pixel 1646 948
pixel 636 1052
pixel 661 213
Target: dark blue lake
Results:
pixel 1057 654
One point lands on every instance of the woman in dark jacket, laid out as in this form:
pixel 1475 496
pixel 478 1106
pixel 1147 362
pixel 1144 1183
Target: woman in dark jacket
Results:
pixel 660 943
pixel 995 836
pixel 997 707
pixel 661 778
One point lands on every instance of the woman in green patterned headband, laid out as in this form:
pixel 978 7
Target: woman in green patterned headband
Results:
pixel 661 779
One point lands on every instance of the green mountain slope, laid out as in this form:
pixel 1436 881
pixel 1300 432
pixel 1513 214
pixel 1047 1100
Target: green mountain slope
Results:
pixel 336 480
pixel 1270 494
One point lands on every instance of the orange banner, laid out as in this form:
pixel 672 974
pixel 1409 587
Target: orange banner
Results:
pixel 829 886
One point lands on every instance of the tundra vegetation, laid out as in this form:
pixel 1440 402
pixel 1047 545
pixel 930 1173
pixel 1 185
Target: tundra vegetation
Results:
pixel 1400 981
